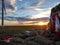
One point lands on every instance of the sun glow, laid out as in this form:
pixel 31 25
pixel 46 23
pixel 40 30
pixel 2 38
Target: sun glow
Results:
pixel 42 23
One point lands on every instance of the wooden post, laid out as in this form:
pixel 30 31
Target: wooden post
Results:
pixel 2 13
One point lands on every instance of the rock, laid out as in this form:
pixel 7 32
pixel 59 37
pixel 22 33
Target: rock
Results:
pixel 17 40
pixel 57 43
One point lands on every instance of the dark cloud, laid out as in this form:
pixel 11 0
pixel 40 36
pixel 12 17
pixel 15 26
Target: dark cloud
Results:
pixel 9 6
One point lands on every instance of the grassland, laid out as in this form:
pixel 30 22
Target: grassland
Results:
pixel 23 27
pixel 13 29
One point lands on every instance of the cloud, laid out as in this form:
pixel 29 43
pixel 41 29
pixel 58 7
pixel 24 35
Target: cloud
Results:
pixel 23 21
pixel 20 0
pixel 41 13
pixel 33 6
pixel 39 3
pixel 9 6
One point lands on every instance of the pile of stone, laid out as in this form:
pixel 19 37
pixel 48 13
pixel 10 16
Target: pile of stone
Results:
pixel 30 37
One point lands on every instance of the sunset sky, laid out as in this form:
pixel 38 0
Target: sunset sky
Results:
pixel 29 12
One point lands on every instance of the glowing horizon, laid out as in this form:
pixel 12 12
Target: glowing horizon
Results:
pixel 15 23
pixel 43 23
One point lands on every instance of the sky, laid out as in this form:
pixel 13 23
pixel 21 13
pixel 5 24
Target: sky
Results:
pixel 29 11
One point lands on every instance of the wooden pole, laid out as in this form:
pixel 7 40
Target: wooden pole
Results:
pixel 2 13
